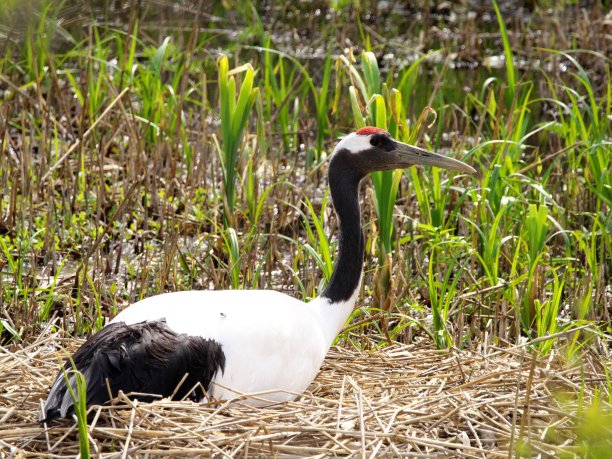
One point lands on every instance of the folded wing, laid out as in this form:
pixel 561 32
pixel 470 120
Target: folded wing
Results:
pixel 147 359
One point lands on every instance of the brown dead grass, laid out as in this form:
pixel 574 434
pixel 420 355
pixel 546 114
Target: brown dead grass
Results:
pixel 399 401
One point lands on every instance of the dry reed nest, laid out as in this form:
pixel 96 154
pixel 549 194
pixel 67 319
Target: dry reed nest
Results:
pixel 396 401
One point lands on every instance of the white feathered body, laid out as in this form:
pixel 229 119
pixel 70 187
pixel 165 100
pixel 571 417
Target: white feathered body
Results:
pixel 273 343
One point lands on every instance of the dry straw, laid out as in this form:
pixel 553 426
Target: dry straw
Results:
pixel 399 401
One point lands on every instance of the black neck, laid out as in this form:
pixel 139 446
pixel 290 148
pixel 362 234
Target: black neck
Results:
pixel 344 187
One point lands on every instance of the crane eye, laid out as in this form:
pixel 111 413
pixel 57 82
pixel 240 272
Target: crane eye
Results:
pixel 375 141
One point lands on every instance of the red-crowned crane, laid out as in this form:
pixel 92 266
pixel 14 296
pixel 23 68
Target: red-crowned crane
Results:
pixel 227 343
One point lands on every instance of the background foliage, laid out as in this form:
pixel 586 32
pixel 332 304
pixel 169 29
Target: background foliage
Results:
pixel 148 147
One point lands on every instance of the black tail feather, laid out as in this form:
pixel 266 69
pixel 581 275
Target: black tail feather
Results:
pixel 144 358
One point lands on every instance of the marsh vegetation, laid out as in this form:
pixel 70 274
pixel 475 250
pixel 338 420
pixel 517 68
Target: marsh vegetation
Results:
pixel 160 146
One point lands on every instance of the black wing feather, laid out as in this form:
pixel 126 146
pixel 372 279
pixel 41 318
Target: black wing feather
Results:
pixel 144 358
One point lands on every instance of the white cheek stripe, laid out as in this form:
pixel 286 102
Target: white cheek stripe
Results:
pixel 354 143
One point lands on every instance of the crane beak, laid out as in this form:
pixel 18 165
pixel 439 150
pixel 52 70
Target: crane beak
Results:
pixel 409 155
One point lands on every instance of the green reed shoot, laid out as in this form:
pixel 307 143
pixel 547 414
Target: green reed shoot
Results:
pixel 431 190
pixel 79 401
pixel 232 249
pixel 511 74
pixel 318 246
pixel 547 314
pixel 536 228
pixel 46 309
pixel 322 104
pixel 441 293
pixel 235 108
pixel 158 102
pixel 278 88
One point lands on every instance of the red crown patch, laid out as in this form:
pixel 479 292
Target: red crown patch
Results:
pixel 369 130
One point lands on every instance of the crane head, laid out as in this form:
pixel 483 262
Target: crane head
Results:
pixel 372 149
